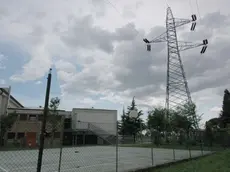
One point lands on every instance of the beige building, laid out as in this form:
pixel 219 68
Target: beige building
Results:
pixel 27 127
pixel 81 125
pixel 7 100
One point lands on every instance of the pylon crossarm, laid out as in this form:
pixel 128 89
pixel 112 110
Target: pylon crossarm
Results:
pixel 160 38
pixel 188 45
pixel 181 22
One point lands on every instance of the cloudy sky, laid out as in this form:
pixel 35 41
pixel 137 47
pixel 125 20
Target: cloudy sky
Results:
pixel 97 54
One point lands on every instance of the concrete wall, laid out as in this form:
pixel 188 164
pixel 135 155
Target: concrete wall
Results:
pixel 104 119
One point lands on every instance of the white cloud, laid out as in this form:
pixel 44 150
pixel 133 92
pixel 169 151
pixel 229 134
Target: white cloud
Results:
pixel 38 82
pixel 215 109
pixel 65 66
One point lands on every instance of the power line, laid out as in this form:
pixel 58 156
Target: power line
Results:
pixel 198 9
pixel 114 7
pixel 190 4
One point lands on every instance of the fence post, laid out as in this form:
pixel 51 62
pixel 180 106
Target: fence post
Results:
pixel 43 128
pixel 152 157
pixel 202 144
pixel 61 142
pixel 117 148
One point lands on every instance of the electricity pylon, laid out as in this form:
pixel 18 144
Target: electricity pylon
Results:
pixel 177 91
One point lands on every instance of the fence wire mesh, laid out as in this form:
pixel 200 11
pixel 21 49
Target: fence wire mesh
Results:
pixel 93 147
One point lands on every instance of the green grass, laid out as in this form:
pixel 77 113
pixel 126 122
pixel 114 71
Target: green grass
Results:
pixel 218 162
pixel 175 146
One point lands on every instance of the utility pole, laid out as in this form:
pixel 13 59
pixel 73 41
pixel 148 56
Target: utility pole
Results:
pixel 46 110
pixel 177 91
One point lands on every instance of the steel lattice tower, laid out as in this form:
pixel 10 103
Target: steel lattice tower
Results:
pixel 177 91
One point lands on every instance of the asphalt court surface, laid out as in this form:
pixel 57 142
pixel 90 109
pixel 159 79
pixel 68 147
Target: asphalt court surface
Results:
pixel 90 159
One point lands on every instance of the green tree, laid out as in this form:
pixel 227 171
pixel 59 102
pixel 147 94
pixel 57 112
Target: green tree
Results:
pixel 225 113
pixel 189 111
pixel 156 119
pixel 189 114
pixel 181 125
pixel 211 127
pixel 122 125
pixel 131 126
pixel 53 120
pixel 7 122
pixel 157 123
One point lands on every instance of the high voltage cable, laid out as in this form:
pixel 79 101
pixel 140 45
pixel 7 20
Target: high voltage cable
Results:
pixel 190 4
pixel 198 9
pixel 114 7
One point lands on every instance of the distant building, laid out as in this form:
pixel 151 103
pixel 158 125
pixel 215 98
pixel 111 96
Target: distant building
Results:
pixel 81 126
pixel 7 100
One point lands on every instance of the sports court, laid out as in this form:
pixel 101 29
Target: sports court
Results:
pixel 90 159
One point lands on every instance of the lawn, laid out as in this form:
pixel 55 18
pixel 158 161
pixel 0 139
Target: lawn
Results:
pixel 175 146
pixel 218 162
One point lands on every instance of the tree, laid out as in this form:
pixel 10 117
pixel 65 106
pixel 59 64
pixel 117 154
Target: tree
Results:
pixel 225 113
pixel 122 124
pixel 7 122
pixel 181 125
pixel 156 119
pixel 191 121
pixel 131 126
pixel 189 111
pixel 54 121
pixel 156 123
pixel 211 127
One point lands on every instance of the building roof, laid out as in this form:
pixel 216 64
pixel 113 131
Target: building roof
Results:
pixel 38 111
pixel 94 109
pixel 11 97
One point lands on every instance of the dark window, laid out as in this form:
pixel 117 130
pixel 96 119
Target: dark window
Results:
pixel 23 117
pixel 20 135
pixel 67 123
pixel 32 117
pixel 11 135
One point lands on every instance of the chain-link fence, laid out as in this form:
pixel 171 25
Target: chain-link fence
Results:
pixel 93 147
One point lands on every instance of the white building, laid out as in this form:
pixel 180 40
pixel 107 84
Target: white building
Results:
pixel 99 122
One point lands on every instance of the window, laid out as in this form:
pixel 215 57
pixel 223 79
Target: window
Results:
pixel 20 135
pixel 67 123
pixel 32 117
pixel 23 117
pixel 11 135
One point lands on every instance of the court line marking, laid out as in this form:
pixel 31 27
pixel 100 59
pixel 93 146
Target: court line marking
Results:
pixel 3 169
